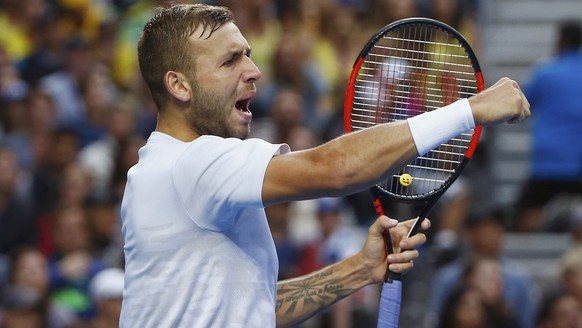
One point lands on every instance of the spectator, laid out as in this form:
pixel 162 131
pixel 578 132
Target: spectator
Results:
pixel 571 272
pixel 21 308
pixel 99 156
pixel 484 238
pixel 29 271
pixel 556 119
pixel 17 17
pixel 388 11
pixel 484 274
pixel 72 191
pixel 285 115
pixel 293 68
pixel 464 308
pixel 456 14
pixel 73 266
pixel 16 215
pixel 98 94
pixel 560 310
pixel 47 56
pixel 63 85
pixel 41 123
pixel 125 157
pixel 56 153
pixel 136 14
pixel 104 229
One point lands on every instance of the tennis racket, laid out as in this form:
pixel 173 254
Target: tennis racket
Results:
pixel 409 67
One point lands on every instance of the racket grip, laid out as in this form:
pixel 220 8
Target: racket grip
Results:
pixel 392 276
pixel 389 309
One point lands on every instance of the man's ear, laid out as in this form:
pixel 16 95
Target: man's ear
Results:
pixel 178 86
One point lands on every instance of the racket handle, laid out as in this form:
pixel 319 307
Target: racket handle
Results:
pixel 392 276
pixel 389 309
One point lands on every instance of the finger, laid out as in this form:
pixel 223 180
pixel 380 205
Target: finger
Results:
pixel 406 256
pixel 382 224
pixel 500 81
pixel 523 114
pixel 401 267
pixel 524 110
pixel 426 224
pixel 525 105
pixel 413 241
pixel 514 84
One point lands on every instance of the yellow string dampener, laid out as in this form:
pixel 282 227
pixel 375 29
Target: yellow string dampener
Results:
pixel 405 179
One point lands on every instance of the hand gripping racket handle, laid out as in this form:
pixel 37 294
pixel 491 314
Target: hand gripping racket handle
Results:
pixel 391 297
pixel 389 311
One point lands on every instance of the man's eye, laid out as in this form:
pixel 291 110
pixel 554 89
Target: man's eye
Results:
pixel 231 61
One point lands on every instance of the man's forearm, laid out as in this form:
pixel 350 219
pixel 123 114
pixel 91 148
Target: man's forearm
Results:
pixel 302 297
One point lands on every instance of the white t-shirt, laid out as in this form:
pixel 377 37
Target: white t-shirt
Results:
pixel 198 249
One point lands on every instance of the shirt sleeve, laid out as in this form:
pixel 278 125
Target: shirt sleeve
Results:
pixel 216 178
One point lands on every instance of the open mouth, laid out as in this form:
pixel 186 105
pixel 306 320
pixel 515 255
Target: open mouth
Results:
pixel 243 105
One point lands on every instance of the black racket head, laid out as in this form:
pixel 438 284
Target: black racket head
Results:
pixel 409 67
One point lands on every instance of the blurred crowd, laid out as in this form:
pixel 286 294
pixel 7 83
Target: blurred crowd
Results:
pixel 74 111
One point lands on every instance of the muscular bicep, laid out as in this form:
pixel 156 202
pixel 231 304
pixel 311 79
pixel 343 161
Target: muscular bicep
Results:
pixel 299 175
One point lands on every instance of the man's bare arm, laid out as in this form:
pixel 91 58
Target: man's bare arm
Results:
pixel 300 298
pixel 305 296
pixel 356 161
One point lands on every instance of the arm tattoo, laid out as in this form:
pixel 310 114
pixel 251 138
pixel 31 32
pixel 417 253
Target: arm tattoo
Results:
pixel 305 296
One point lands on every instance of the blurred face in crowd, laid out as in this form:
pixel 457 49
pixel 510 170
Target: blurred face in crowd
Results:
pixel 470 311
pixel 573 281
pixel 31 271
pixel 8 170
pixel 399 9
pixel 70 231
pixel 487 279
pixel 75 185
pixel 487 237
pixel 63 149
pixel 566 312
pixel 445 9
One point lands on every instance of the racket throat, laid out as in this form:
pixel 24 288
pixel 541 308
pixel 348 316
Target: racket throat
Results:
pixel 415 227
pixel 418 221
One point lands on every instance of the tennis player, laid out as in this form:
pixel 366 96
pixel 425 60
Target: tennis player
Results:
pixel 198 249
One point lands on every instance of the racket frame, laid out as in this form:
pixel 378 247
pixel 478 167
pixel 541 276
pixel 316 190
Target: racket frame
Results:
pixel 429 198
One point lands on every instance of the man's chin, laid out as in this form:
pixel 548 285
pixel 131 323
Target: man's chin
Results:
pixel 241 133
pixel 245 134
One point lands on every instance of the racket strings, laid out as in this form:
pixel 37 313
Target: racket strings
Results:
pixel 411 70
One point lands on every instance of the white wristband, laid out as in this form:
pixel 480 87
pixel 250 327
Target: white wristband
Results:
pixel 431 129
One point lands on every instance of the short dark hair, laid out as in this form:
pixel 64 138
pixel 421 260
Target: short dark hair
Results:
pixel 163 44
pixel 570 35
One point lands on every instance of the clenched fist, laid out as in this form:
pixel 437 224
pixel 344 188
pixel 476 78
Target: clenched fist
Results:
pixel 502 102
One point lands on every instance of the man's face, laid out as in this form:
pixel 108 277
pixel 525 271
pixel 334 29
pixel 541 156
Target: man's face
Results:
pixel 224 83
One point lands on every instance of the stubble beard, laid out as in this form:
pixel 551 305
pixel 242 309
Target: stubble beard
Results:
pixel 209 114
